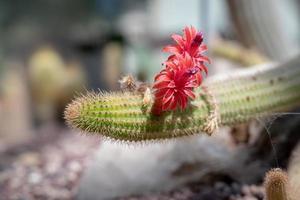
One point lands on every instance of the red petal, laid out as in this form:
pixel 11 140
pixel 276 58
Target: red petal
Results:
pixel 187 35
pixel 171 57
pixel 171 49
pixel 161 73
pixel 191 84
pixel 179 40
pixel 193 32
pixel 161 84
pixel 162 77
pixel 166 105
pixel 173 104
pixel 168 95
pixel 171 64
pixel 189 93
pixel 160 93
pixel 188 61
pixel 198 77
pixel 201 58
pixel 202 48
pixel 202 67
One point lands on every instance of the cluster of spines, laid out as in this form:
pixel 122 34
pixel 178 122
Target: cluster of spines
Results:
pixel 277 185
pixel 121 115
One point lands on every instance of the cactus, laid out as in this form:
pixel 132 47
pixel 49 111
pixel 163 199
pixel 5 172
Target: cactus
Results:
pixel 238 54
pixel 277 185
pixel 220 101
pixel 281 185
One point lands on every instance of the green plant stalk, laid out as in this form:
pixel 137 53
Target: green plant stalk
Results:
pixel 238 98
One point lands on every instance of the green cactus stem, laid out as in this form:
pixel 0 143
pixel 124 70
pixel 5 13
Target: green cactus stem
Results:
pixel 228 100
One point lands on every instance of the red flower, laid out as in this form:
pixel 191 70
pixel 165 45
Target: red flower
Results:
pixel 174 85
pixel 190 43
pixel 184 62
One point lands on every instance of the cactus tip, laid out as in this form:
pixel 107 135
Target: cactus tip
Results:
pixel 72 111
pixel 276 185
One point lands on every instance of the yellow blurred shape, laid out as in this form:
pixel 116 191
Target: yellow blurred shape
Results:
pixel 46 73
pixel 53 82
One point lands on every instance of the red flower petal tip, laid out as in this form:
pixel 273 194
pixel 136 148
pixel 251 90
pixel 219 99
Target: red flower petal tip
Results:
pixel 197 41
pixel 174 85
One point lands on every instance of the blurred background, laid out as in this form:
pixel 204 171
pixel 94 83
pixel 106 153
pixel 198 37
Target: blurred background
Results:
pixel 53 50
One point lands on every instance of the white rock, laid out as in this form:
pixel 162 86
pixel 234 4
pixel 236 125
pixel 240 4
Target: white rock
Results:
pixel 34 178
pixel 120 170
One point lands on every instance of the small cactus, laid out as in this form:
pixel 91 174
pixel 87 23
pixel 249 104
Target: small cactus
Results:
pixel 220 101
pixel 277 185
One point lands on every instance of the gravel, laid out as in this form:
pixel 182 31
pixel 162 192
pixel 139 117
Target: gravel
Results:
pixel 50 167
pixel 47 167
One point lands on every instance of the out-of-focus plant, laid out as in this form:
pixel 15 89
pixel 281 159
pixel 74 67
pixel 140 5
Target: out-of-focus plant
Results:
pixel 46 74
pixel 177 105
pixel 238 54
pixel 15 115
pixel 52 81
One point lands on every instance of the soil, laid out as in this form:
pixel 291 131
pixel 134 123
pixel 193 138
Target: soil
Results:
pixel 50 165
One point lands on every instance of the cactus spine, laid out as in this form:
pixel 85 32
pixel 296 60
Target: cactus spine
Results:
pixel 229 101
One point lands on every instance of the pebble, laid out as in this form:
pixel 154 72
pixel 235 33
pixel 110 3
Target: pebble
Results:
pixel 75 166
pixel 34 178
pixel 29 158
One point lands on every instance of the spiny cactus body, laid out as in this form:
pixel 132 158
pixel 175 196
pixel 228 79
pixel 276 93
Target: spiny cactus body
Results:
pixel 277 185
pixel 226 101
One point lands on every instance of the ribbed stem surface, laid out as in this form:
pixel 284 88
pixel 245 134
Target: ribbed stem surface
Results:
pixel 235 98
